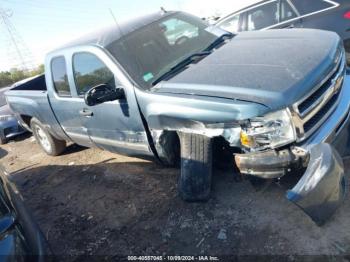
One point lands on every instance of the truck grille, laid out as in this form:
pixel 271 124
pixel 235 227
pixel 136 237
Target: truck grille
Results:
pixel 311 111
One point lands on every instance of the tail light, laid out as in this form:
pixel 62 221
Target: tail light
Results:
pixel 347 15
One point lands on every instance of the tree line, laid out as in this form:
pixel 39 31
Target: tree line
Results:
pixel 14 75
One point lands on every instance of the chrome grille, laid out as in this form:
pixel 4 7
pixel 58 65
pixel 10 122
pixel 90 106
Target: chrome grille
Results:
pixel 311 111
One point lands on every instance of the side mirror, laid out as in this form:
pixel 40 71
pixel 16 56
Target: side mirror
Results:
pixel 103 93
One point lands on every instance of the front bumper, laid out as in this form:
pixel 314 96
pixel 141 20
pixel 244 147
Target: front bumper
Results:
pixel 322 187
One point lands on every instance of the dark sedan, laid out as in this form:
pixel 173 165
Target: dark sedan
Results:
pixel 20 237
pixel 274 14
pixel 9 126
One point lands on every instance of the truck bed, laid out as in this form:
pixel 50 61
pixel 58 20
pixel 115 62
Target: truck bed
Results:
pixel 28 99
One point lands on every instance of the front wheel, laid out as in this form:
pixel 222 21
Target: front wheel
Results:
pixel 196 167
pixel 51 145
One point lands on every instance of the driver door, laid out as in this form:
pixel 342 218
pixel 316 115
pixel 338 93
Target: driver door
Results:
pixel 111 125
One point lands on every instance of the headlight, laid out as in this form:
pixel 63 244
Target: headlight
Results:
pixel 5 118
pixel 270 131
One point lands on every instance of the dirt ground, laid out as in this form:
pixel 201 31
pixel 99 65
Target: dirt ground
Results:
pixel 89 201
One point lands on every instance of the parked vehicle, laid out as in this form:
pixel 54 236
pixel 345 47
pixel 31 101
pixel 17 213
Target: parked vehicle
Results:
pixel 20 237
pixel 9 126
pixel 269 99
pixel 274 14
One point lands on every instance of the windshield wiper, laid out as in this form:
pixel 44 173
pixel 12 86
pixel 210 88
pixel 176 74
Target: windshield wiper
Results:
pixel 218 41
pixel 173 70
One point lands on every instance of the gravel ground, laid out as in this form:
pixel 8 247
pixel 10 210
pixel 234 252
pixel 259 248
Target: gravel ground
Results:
pixel 89 201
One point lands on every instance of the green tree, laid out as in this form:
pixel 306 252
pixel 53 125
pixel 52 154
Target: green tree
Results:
pixel 5 79
pixel 8 78
pixel 38 71
pixel 17 75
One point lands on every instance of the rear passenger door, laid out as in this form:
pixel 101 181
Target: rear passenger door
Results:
pixel 318 14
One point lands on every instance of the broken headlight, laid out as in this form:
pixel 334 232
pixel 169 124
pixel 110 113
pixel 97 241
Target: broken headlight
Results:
pixel 270 131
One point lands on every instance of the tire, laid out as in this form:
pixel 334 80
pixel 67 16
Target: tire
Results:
pixel 51 145
pixel 196 167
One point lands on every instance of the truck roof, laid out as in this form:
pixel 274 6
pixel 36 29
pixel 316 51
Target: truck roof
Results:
pixel 115 32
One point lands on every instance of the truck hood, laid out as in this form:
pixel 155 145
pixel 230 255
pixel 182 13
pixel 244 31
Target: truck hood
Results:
pixel 275 68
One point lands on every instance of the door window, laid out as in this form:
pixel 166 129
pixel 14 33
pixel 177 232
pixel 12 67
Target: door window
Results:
pixel 307 7
pixel 287 11
pixel 263 16
pixel 90 71
pixel 231 24
pixel 59 76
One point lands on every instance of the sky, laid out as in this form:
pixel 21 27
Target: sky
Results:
pixel 46 24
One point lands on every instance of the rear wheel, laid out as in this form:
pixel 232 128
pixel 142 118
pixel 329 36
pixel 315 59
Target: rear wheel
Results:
pixel 196 167
pixel 51 145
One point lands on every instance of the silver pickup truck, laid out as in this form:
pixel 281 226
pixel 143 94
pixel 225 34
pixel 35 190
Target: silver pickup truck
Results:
pixel 167 85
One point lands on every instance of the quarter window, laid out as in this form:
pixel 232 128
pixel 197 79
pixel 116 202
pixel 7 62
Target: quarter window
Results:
pixel 307 7
pixel 59 76
pixel 90 71
pixel 263 16
pixel 231 24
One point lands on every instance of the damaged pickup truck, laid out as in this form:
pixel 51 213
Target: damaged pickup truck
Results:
pixel 171 86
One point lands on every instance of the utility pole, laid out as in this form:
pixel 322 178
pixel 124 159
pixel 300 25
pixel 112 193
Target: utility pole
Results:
pixel 17 49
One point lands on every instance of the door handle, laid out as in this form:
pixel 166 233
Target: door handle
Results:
pixel 86 112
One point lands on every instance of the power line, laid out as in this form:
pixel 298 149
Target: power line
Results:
pixel 17 49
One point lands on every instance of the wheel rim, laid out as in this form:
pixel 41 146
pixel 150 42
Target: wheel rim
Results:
pixel 43 138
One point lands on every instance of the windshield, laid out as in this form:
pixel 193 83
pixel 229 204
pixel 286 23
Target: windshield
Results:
pixel 154 49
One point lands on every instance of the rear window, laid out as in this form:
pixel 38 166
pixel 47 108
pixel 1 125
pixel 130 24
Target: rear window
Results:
pixel 306 7
pixel 59 76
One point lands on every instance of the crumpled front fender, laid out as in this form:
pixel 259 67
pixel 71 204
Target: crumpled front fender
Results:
pixel 322 188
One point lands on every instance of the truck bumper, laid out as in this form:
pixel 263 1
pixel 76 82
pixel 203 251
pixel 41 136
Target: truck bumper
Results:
pixel 322 187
